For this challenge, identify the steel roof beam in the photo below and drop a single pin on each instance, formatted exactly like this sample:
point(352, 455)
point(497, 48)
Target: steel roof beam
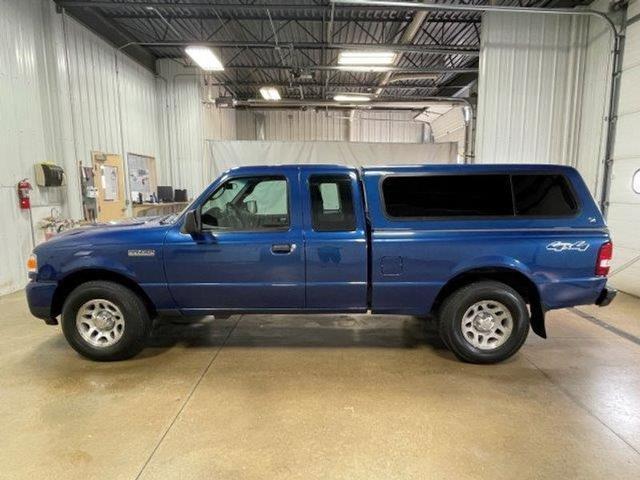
point(424, 49)
point(371, 86)
point(315, 17)
point(426, 69)
point(226, 7)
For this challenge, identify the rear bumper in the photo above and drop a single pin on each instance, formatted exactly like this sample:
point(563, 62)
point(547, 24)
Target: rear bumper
point(40, 300)
point(606, 296)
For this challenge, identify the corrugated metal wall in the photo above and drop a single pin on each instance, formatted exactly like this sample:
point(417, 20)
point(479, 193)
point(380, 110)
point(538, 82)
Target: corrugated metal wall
point(220, 123)
point(290, 125)
point(595, 101)
point(386, 127)
point(223, 155)
point(543, 91)
point(24, 111)
point(182, 126)
point(56, 110)
point(543, 98)
point(530, 88)
point(624, 209)
point(310, 125)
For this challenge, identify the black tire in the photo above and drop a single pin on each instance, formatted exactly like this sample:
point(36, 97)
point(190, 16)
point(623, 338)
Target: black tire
point(461, 302)
point(136, 323)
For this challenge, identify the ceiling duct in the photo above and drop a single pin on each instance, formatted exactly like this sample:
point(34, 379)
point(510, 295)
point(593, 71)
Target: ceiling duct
point(394, 104)
point(407, 37)
point(417, 76)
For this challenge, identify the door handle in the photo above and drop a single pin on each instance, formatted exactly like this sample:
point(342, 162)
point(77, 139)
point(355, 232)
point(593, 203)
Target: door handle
point(283, 248)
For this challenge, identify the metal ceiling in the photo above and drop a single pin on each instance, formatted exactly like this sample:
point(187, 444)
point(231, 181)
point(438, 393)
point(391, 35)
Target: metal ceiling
point(294, 44)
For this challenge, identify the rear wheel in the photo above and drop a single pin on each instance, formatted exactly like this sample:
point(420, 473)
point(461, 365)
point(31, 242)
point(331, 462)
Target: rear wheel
point(105, 321)
point(485, 322)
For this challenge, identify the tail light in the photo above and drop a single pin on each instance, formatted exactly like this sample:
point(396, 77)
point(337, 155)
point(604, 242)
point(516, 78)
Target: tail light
point(604, 259)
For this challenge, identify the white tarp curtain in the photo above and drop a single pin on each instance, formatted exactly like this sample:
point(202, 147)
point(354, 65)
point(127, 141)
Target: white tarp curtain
point(227, 154)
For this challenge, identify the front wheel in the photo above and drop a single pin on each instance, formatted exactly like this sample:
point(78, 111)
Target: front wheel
point(485, 322)
point(105, 321)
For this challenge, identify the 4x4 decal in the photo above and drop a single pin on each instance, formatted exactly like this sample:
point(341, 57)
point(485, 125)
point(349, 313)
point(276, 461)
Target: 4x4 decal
point(559, 246)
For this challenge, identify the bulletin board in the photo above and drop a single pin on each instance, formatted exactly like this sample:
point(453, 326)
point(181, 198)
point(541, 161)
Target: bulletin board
point(142, 176)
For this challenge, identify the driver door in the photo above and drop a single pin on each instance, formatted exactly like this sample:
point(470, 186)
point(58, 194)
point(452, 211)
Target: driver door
point(249, 255)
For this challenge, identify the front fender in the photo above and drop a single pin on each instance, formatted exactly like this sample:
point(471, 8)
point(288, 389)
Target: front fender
point(144, 272)
point(80, 262)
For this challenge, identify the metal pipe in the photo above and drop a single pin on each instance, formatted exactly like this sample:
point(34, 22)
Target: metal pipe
point(311, 16)
point(342, 85)
point(422, 70)
point(417, 76)
point(614, 99)
point(277, 47)
point(154, 9)
point(167, 133)
point(330, 42)
point(204, 6)
point(474, 8)
point(74, 133)
point(125, 161)
point(419, 49)
point(617, 40)
point(407, 37)
point(392, 104)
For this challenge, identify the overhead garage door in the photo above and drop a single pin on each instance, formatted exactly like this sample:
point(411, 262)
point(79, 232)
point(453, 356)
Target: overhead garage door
point(624, 210)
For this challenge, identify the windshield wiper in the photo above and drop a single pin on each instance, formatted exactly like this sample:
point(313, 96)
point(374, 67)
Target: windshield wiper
point(168, 218)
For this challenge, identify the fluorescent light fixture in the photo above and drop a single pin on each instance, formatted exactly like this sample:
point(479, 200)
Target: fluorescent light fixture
point(366, 57)
point(351, 98)
point(364, 68)
point(270, 93)
point(204, 57)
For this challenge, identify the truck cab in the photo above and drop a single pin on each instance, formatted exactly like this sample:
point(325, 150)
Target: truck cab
point(486, 249)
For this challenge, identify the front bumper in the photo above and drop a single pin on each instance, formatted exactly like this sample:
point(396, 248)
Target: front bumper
point(40, 300)
point(606, 296)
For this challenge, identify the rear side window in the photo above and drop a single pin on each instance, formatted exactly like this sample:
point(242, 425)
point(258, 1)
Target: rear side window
point(492, 195)
point(331, 203)
point(543, 196)
point(448, 196)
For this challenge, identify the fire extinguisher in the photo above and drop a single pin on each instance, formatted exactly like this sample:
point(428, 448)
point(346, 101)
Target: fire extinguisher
point(24, 187)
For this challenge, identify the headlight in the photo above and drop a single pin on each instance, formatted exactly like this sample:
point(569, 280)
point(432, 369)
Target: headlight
point(32, 263)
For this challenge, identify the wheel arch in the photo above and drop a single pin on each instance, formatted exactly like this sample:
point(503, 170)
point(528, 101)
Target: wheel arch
point(77, 278)
point(509, 276)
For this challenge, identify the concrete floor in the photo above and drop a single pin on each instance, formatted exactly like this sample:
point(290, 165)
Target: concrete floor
point(329, 397)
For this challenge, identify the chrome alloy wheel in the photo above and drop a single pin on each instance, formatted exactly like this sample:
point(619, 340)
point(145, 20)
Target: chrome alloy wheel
point(487, 324)
point(100, 323)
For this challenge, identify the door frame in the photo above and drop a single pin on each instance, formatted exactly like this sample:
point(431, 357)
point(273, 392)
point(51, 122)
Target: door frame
point(98, 160)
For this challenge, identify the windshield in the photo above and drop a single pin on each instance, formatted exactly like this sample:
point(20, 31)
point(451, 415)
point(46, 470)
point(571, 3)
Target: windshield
point(172, 217)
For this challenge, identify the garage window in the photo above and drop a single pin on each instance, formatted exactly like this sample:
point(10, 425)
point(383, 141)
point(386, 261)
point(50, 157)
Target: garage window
point(447, 196)
point(331, 203)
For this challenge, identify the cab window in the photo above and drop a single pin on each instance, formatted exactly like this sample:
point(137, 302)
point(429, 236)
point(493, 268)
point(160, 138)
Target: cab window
point(248, 204)
point(332, 203)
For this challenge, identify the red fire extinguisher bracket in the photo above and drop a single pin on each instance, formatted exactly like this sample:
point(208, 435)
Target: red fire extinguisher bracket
point(24, 193)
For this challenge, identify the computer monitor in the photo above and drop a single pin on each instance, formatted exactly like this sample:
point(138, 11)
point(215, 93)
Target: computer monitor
point(165, 194)
point(180, 195)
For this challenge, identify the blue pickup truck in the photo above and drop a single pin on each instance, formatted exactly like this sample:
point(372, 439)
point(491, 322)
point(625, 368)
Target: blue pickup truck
point(486, 249)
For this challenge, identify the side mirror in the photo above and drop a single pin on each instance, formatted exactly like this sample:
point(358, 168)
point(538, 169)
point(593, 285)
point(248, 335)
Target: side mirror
point(192, 223)
point(252, 206)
